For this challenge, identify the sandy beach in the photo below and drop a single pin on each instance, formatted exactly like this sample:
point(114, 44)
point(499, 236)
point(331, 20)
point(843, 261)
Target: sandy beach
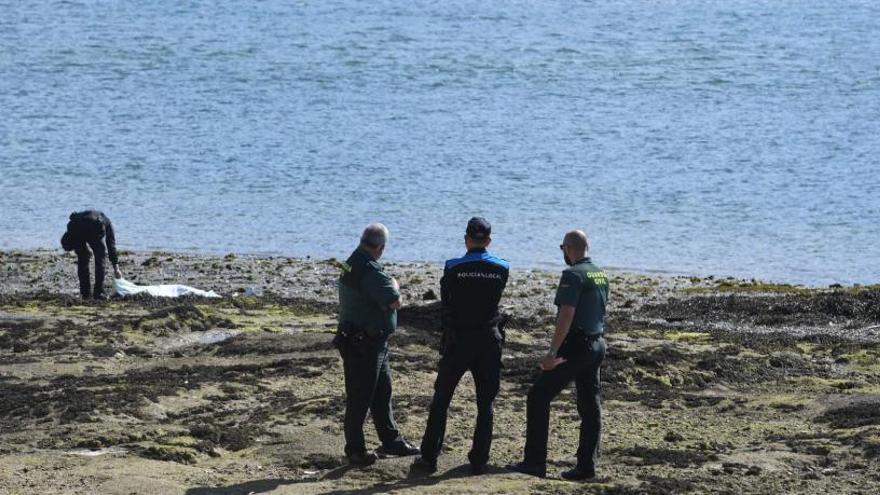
point(711, 385)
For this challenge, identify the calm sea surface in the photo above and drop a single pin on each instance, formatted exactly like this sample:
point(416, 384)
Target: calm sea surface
point(711, 137)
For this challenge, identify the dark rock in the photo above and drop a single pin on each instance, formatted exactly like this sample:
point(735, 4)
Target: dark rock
point(151, 261)
point(161, 453)
point(672, 436)
point(862, 411)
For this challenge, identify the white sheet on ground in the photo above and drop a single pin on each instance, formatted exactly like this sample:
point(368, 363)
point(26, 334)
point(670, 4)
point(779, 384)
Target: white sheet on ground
point(125, 288)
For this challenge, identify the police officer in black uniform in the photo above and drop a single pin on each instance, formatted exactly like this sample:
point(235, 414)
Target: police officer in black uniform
point(368, 303)
point(576, 353)
point(470, 290)
point(90, 229)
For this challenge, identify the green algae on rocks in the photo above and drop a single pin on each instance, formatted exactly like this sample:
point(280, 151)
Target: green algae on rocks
point(705, 391)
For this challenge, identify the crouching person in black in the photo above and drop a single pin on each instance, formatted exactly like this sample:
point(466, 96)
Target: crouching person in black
point(90, 229)
point(470, 289)
point(368, 303)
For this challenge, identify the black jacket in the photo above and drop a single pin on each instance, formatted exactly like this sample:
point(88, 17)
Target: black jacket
point(92, 225)
point(470, 291)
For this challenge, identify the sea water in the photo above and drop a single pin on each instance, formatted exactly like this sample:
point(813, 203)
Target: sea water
point(725, 137)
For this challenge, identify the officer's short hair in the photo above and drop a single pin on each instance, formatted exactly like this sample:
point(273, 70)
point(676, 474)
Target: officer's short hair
point(375, 235)
point(577, 239)
point(479, 243)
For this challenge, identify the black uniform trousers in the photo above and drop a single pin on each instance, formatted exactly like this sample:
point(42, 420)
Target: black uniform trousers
point(367, 387)
point(82, 261)
point(482, 357)
point(583, 369)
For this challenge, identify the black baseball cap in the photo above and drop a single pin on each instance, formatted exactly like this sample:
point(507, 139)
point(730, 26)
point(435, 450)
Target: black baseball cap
point(478, 228)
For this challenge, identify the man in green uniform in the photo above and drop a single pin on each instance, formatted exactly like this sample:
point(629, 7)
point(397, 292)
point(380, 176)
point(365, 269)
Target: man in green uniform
point(368, 303)
point(576, 352)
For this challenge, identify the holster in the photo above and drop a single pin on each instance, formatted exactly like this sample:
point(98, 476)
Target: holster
point(348, 333)
point(341, 336)
point(576, 342)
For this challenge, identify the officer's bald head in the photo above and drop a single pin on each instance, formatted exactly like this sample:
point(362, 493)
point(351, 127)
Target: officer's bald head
point(578, 242)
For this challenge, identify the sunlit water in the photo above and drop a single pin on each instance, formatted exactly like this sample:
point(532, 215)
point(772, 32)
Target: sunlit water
point(708, 137)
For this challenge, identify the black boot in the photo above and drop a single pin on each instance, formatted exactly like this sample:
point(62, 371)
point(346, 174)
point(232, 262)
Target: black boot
point(424, 465)
point(578, 474)
point(362, 458)
point(479, 469)
point(529, 469)
point(398, 448)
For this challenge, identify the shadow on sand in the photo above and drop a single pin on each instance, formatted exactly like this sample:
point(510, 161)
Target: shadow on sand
point(413, 479)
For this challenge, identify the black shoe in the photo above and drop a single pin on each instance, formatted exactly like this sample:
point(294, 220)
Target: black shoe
point(529, 469)
point(399, 448)
point(578, 474)
point(424, 465)
point(362, 458)
point(478, 469)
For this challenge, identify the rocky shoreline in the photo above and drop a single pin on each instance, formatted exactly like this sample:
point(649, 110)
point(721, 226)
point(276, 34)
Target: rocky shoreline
point(711, 385)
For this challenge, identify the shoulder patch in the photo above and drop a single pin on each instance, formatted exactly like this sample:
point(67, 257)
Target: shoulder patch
point(498, 261)
point(476, 257)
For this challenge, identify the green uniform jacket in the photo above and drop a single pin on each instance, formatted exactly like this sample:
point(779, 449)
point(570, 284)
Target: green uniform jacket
point(365, 291)
point(584, 286)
